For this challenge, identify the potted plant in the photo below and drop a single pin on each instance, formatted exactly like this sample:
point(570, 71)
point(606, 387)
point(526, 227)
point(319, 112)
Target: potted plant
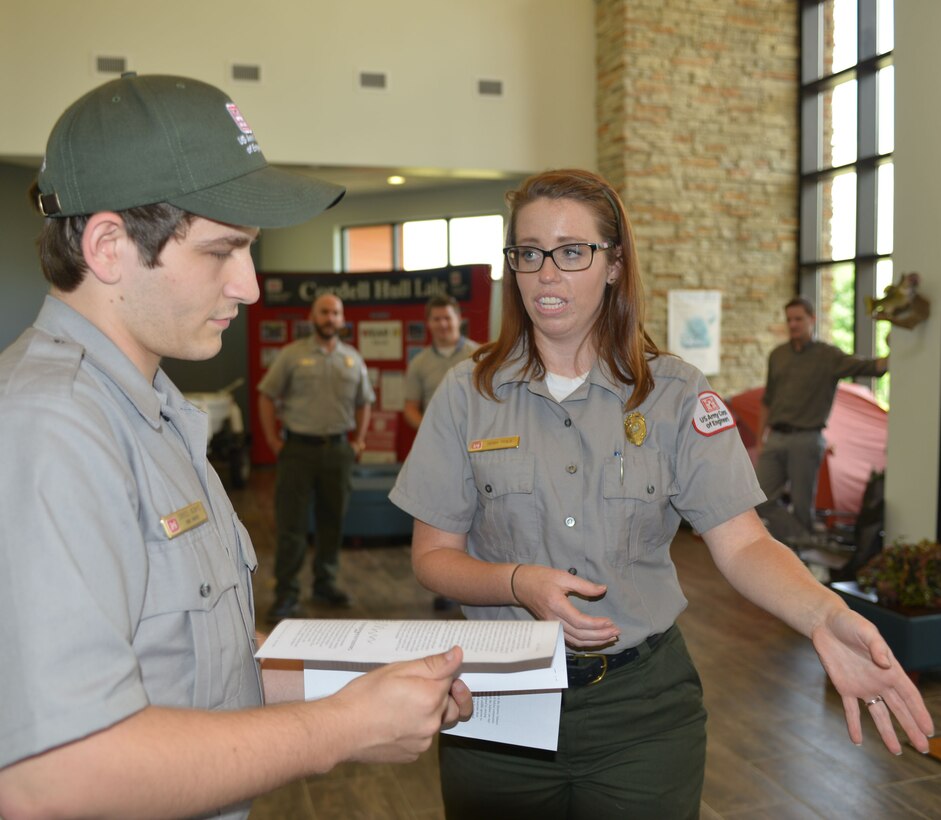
point(899, 590)
point(906, 577)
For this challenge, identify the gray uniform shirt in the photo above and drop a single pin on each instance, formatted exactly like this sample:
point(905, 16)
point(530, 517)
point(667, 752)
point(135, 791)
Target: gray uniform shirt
point(429, 367)
point(561, 498)
point(318, 391)
point(801, 383)
point(101, 611)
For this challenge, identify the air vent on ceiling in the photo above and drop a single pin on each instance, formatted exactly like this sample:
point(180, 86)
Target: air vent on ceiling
point(490, 88)
point(373, 80)
point(246, 73)
point(110, 65)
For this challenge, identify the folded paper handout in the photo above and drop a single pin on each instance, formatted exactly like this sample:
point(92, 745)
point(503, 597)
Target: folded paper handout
point(514, 669)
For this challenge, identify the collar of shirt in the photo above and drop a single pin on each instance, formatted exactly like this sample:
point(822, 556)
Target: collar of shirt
point(61, 321)
point(512, 372)
point(447, 351)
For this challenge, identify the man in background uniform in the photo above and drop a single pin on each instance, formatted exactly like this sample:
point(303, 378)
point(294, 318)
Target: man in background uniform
point(428, 368)
point(447, 348)
point(802, 377)
point(320, 389)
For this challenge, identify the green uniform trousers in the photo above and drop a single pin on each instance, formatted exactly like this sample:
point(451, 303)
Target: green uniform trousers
point(631, 746)
point(326, 471)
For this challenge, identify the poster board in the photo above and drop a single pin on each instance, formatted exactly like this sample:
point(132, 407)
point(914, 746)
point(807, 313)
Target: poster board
point(694, 327)
point(385, 321)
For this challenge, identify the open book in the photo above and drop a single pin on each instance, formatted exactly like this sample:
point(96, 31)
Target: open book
point(515, 669)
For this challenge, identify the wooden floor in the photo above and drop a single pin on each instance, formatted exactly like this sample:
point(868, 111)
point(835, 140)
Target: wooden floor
point(778, 748)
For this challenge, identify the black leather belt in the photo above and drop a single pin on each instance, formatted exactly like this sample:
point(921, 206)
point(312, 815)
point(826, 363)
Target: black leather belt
point(318, 441)
point(790, 428)
point(589, 668)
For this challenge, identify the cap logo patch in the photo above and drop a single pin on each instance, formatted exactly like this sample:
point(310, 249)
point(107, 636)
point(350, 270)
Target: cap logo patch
point(710, 415)
point(236, 115)
point(247, 138)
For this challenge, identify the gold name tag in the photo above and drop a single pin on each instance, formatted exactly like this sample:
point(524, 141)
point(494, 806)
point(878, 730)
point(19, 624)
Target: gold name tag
point(190, 517)
point(505, 443)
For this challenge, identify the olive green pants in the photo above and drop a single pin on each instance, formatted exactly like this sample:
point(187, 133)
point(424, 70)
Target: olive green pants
point(631, 746)
point(324, 470)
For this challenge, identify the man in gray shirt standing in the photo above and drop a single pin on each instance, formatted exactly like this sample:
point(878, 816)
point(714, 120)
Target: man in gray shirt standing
point(320, 389)
point(447, 348)
point(802, 377)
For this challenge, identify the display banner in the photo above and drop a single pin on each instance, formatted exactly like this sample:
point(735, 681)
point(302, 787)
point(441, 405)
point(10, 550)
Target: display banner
point(385, 321)
point(373, 289)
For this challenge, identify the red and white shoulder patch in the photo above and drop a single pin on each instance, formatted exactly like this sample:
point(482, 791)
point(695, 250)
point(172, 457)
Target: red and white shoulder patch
point(711, 416)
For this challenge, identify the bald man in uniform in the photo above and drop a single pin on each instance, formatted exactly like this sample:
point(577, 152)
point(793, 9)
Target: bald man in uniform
point(319, 388)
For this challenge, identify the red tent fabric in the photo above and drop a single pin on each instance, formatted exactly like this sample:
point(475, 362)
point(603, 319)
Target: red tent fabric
point(857, 434)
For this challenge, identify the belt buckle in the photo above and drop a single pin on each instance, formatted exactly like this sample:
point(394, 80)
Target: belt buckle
point(604, 664)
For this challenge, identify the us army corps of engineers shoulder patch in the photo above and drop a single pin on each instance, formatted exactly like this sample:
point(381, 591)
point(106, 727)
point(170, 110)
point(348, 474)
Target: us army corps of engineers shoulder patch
point(710, 415)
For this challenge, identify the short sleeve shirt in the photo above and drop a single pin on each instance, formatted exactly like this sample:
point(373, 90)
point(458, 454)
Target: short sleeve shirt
point(126, 572)
point(318, 390)
point(802, 383)
point(428, 368)
point(533, 480)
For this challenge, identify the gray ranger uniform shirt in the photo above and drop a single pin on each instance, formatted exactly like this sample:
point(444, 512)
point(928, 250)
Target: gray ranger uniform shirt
point(126, 573)
point(429, 367)
point(319, 391)
point(560, 496)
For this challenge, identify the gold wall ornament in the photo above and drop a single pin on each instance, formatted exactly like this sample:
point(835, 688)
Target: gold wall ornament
point(635, 427)
point(902, 305)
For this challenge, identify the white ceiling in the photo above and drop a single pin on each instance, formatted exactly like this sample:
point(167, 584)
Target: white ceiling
point(373, 180)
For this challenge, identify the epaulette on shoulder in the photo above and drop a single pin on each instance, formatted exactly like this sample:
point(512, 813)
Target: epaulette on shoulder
point(672, 367)
point(48, 366)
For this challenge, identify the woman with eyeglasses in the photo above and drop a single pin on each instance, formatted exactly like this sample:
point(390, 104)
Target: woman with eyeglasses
point(548, 480)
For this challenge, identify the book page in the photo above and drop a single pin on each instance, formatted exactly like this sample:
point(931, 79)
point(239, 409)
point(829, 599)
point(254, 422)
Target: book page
point(520, 718)
point(516, 669)
point(373, 641)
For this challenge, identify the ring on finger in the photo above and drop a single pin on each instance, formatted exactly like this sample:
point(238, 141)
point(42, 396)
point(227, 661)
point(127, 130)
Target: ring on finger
point(875, 700)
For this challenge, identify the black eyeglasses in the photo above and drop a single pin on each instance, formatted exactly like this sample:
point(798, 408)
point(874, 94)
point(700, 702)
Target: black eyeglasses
point(574, 257)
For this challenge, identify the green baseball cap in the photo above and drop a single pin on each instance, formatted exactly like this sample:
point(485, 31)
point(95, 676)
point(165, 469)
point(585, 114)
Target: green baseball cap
point(141, 140)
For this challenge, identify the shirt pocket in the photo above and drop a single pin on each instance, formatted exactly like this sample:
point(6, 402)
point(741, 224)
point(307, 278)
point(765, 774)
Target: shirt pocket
point(192, 630)
point(506, 506)
point(638, 510)
point(247, 566)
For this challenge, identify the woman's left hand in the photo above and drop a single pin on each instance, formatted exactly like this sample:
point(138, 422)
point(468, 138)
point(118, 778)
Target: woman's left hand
point(863, 668)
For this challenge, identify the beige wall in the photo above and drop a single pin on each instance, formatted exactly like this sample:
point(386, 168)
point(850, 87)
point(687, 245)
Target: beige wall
point(307, 109)
point(915, 420)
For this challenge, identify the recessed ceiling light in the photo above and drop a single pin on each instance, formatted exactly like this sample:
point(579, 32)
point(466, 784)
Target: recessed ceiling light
point(396, 180)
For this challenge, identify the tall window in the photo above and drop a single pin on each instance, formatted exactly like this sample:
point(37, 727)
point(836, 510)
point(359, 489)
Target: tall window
point(846, 189)
point(425, 243)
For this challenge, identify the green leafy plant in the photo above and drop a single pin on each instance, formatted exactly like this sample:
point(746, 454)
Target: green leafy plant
point(905, 575)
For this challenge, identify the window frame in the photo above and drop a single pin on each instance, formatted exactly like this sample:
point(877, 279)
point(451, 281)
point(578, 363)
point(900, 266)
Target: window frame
point(866, 165)
point(396, 227)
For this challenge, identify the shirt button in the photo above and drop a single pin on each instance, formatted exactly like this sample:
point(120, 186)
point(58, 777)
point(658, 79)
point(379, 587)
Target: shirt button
point(205, 590)
point(572, 469)
point(568, 422)
point(488, 488)
point(650, 489)
point(570, 522)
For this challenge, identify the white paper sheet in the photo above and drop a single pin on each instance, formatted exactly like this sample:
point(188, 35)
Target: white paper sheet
point(515, 669)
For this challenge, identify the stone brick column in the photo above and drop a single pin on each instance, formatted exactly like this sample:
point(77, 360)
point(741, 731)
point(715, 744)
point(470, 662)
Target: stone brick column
point(697, 105)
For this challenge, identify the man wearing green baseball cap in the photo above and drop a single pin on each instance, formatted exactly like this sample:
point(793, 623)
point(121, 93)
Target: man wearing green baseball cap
point(130, 685)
